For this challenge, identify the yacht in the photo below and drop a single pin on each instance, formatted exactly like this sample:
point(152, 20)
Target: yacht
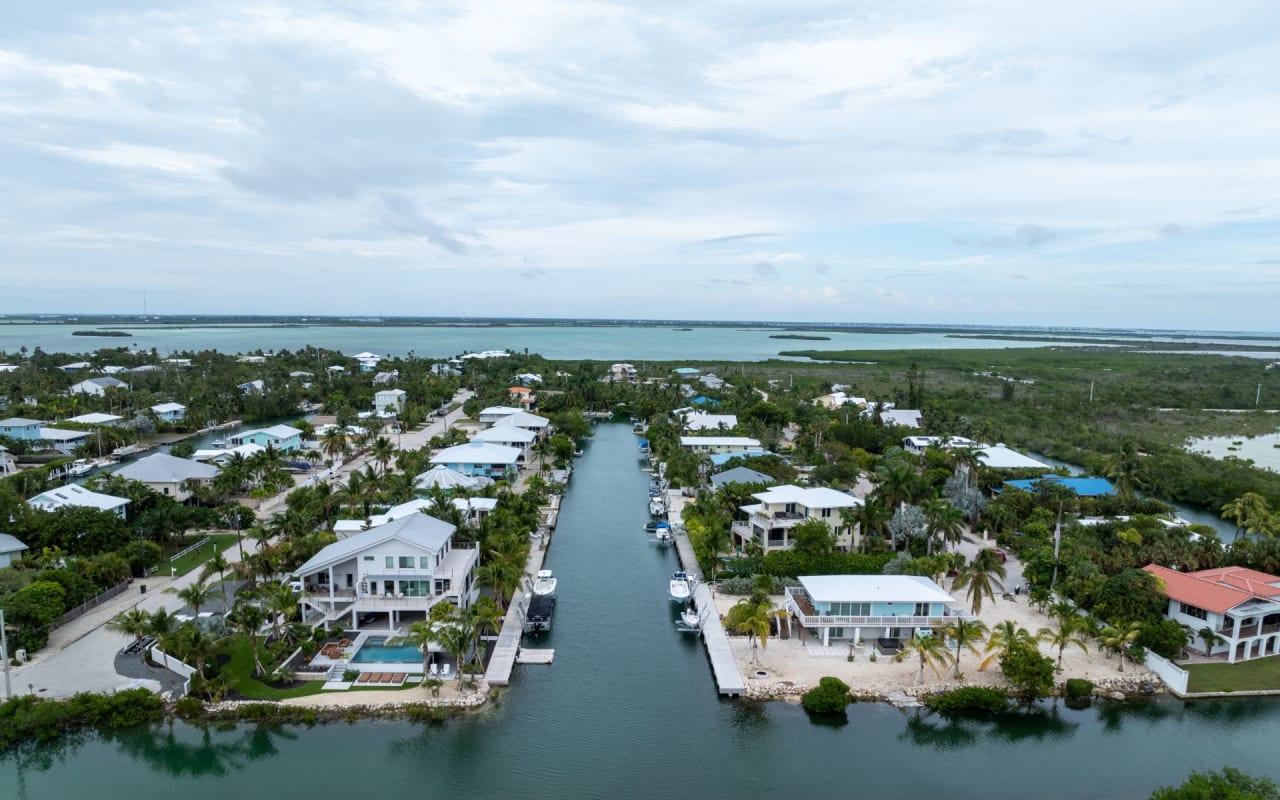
point(545, 584)
point(657, 506)
point(662, 533)
point(537, 617)
point(81, 466)
point(679, 588)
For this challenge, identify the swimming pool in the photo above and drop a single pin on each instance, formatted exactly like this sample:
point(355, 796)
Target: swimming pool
point(376, 651)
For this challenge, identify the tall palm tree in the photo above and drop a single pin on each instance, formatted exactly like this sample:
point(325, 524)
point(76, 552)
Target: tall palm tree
point(931, 651)
point(967, 634)
point(1069, 630)
point(1118, 637)
point(424, 634)
point(1125, 468)
point(456, 637)
point(896, 482)
point(751, 616)
point(193, 645)
point(135, 623)
point(248, 619)
point(217, 565)
point(979, 577)
point(1005, 636)
point(971, 459)
point(335, 445)
point(503, 572)
point(486, 617)
point(383, 452)
point(161, 625)
point(945, 522)
point(1250, 513)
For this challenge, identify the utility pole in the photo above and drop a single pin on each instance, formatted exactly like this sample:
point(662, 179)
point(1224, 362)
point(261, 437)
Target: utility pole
point(1257, 398)
point(4, 652)
point(1091, 392)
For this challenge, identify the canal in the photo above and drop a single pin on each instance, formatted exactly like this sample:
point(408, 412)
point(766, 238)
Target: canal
point(629, 710)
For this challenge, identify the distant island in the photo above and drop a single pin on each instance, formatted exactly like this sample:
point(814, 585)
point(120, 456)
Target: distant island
point(101, 333)
point(682, 329)
point(801, 337)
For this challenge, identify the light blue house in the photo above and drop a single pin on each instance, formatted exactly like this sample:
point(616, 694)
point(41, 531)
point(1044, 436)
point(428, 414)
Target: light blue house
point(281, 437)
point(854, 607)
point(170, 412)
point(19, 428)
point(480, 459)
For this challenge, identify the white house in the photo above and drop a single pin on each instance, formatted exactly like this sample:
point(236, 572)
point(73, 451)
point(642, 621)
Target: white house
point(253, 387)
point(838, 400)
point(479, 458)
point(64, 441)
point(75, 366)
point(344, 528)
point(719, 444)
point(851, 607)
point(96, 418)
point(223, 455)
point(7, 464)
point(902, 418)
point(388, 576)
point(1241, 606)
point(918, 444)
point(781, 508)
point(449, 480)
point(281, 437)
point(492, 414)
point(11, 549)
point(530, 422)
point(74, 495)
point(168, 475)
point(702, 421)
point(170, 412)
point(475, 508)
point(389, 402)
point(510, 436)
point(97, 386)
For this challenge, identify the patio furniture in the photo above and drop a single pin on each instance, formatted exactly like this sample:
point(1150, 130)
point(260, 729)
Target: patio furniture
point(434, 669)
point(445, 670)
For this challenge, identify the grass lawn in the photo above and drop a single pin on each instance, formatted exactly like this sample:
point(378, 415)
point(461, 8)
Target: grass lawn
point(240, 671)
point(1259, 673)
point(194, 559)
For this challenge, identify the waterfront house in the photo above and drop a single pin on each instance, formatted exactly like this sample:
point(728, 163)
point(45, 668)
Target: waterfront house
point(522, 395)
point(448, 480)
point(74, 495)
point(769, 522)
point(541, 426)
point(478, 458)
point(475, 509)
point(854, 607)
point(11, 550)
point(510, 436)
point(389, 402)
point(98, 387)
point(169, 475)
point(253, 387)
point(281, 437)
point(75, 366)
point(702, 421)
point(1000, 457)
point(224, 455)
point(1241, 606)
point(169, 412)
point(622, 373)
point(740, 475)
point(386, 577)
point(719, 444)
point(28, 430)
point(1083, 487)
point(492, 414)
point(64, 441)
point(96, 418)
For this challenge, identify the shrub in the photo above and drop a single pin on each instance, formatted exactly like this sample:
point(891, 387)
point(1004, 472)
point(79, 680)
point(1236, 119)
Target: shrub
point(1165, 638)
point(969, 700)
point(1078, 688)
point(1029, 673)
point(189, 708)
point(830, 696)
point(782, 563)
point(350, 675)
point(28, 718)
point(747, 585)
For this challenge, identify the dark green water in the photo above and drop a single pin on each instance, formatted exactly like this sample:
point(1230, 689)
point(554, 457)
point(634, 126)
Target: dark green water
point(629, 710)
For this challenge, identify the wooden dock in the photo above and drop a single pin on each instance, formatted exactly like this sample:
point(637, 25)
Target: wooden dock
point(507, 649)
point(724, 667)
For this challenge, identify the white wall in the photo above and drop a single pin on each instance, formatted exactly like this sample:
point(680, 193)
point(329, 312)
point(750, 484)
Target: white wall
point(1174, 677)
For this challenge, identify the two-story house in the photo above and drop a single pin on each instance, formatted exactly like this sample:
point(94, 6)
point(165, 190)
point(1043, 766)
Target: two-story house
point(781, 508)
point(480, 459)
point(720, 444)
point(169, 412)
point(509, 436)
point(540, 426)
point(853, 607)
point(281, 437)
point(21, 428)
point(386, 577)
point(1241, 606)
point(389, 402)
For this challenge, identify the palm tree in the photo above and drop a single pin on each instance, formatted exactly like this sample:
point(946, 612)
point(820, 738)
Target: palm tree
point(335, 444)
point(503, 572)
point(945, 521)
point(135, 623)
point(751, 616)
point(161, 624)
point(280, 602)
point(971, 459)
point(196, 595)
point(932, 652)
point(1126, 469)
point(217, 565)
point(979, 576)
point(967, 634)
point(1210, 638)
point(383, 452)
point(896, 482)
point(1070, 630)
point(1005, 636)
point(1118, 637)
point(1250, 513)
point(486, 617)
point(456, 637)
point(248, 619)
point(193, 645)
point(424, 634)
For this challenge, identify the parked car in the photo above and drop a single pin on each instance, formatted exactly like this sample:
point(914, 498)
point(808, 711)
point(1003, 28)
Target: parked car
point(1000, 554)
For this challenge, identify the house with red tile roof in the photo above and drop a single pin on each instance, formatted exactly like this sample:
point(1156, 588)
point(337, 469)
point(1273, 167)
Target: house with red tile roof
point(1242, 606)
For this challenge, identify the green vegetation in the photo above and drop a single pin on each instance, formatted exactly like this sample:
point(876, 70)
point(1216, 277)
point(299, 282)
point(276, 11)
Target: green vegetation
point(101, 333)
point(218, 543)
point(1256, 674)
point(830, 696)
point(968, 701)
point(1030, 674)
point(1229, 784)
point(28, 719)
point(1078, 688)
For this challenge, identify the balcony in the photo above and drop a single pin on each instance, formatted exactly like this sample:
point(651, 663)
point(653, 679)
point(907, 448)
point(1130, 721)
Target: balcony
point(1253, 629)
point(798, 602)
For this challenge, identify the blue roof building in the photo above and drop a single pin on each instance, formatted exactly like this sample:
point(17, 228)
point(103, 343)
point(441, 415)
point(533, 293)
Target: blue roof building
point(702, 400)
point(1083, 487)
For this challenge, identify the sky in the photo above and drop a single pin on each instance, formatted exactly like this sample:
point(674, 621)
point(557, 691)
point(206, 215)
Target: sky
point(1083, 163)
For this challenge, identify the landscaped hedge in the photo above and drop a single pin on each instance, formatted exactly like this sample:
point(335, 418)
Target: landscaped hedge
point(789, 563)
point(28, 718)
point(968, 701)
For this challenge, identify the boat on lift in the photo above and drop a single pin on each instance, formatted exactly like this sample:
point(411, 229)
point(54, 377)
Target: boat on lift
point(662, 533)
point(679, 588)
point(80, 467)
point(690, 621)
point(545, 584)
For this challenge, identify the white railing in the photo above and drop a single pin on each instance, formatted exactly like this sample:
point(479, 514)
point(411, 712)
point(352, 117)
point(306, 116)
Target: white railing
point(880, 622)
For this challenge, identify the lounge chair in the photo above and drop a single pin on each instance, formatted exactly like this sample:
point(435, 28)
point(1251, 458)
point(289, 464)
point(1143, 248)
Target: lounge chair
point(445, 670)
point(364, 678)
point(434, 670)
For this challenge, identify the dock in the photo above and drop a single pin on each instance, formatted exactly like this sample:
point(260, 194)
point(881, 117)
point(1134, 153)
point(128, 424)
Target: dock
point(506, 650)
point(530, 656)
point(724, 667)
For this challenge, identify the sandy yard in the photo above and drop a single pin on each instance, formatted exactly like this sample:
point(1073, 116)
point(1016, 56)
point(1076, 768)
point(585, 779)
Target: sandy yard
point(449, 696)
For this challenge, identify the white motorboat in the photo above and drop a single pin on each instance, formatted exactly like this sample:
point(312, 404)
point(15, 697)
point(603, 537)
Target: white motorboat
point(657, 507)
point(679, 588)
point(81, 466)
point(662, 533)
point(545, 584)
point(689, 621)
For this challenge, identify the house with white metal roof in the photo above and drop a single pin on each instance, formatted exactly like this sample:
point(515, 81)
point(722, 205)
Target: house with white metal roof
point(170, 412)
point(854, 607)
point(389, 402)
point(448, 480)
point(492, 414)
point(169, 475)
point(64, 441)
point(510, 436)
point(530, 422)
point(740, 475)
point(719, 444)
point(11, 549)
point(98, 387)
point(74, 495)
point(281, 437)
point(481, 459)
point(701, 421)
point(769, 522)
point(96, 418)
point(21, 428)
point(387, 577)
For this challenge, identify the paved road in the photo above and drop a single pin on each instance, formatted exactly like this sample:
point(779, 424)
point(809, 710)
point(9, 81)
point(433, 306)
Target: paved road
point(80, 656)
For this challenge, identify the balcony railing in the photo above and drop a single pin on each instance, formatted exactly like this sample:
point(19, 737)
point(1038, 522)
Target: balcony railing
point(1250, 630)
point(798, 601)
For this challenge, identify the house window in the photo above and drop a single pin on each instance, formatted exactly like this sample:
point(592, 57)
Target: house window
point(1193, 611)
point(391, 562)
point(406, 562)
point(790, 508)
point(850, 609)
point(368, 558)
point(922, 610)
point(424, 562)
point(826, 513)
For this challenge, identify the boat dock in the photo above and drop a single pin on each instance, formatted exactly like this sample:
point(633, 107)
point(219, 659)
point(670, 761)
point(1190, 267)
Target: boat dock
point(506, 650)
point(530, 656)
point(724, 667)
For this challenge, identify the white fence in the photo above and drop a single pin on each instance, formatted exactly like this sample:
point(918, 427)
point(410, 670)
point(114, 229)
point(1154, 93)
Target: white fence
point(174, 665)
point(1174, 677)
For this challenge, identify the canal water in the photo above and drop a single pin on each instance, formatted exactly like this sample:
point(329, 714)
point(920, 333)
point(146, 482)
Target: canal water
point(629, 710)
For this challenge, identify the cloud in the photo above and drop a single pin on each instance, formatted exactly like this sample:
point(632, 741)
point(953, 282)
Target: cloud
point(1024, 235)
point(533, 273)
point(765, 270)
point(1172, 230)
point(737, 237)
point(400, 214)
point(1003, 141)
point(821, 267)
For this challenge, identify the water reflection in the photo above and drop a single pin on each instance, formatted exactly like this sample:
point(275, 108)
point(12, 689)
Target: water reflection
point(1035, 724)
point(216, 751)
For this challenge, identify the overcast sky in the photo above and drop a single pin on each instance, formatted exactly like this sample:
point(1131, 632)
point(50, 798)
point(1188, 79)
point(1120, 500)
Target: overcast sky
point(1099, 163)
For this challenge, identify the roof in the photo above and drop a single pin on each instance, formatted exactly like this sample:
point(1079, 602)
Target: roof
point(506, 433)
point(58, 435)
point(724, 441)
point(720, 459)
point(477, 452)
point(276, 431)
point(523, 419)
point(417, 530)
point(446, 478)
point(164, 468)
point(94, 418)
point(397, 392)
point(873, 589)
point(465, 504)
point(1083, 487)
point(106, 382)
point(906, 418)
point(700, 421)
point(817, 497)
point(19, 422)
point(1203, 589)
point(164, 408)
point(1001, 457)
point(499, 411)
point(11, 544)
point(73, 495)
point(740, 475)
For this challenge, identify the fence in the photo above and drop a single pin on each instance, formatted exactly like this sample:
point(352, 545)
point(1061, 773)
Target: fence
point(190, 549)
point(1174, 677)
point(94, 602)
point(174, 665)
